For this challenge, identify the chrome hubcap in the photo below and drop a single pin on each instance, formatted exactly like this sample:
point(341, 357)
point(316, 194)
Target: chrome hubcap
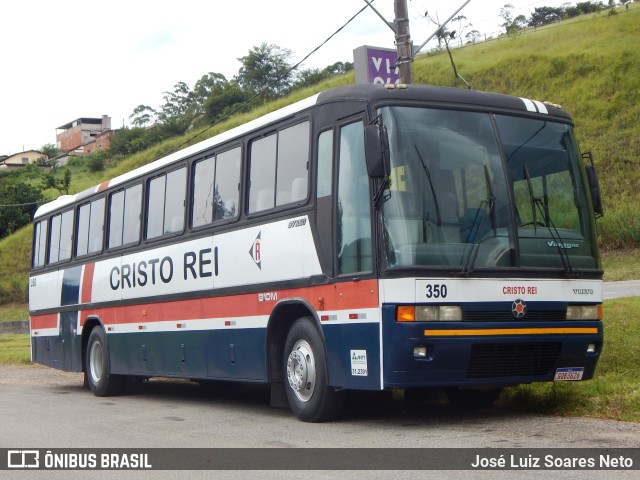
point(95, 362)
point(301, 370)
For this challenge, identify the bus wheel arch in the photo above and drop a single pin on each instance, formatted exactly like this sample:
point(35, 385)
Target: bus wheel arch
point(96, 365)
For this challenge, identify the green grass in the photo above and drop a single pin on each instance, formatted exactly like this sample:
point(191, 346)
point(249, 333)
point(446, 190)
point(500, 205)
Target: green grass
point(14, 311)
point(15, 349)
point(621, 265)
point(15, 254)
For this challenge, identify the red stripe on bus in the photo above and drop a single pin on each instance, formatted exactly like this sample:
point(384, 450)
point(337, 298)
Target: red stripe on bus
point(352, 296)
point(87, 283)
point(102, 186)
point(39, 322)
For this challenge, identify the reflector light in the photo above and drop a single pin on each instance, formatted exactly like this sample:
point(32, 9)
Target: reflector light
point(406, 313)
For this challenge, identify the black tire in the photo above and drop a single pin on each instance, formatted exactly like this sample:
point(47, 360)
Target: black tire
point(473, 397)
point(97, 367)
point(305, 371)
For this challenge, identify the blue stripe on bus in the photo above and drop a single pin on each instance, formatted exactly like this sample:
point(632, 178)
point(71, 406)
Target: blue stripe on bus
point(71, 286)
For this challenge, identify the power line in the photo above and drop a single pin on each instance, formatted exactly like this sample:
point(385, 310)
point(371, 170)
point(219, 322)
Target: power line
point(20, 204)
point(270, 85)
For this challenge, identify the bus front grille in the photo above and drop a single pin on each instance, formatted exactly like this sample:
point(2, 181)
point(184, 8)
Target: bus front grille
point(512, 359)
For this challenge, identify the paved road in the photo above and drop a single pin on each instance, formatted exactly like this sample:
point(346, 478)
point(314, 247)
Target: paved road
point(629, 288)
point(43, 408)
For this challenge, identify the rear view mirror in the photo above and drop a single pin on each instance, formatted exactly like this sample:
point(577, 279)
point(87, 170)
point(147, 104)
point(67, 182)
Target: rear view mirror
point(594, 185)
point(376, 150)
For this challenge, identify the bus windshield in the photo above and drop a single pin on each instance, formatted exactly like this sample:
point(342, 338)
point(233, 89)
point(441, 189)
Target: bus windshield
point(470, 190)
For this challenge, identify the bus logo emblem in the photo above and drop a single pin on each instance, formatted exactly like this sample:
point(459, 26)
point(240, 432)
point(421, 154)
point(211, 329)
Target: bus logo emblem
point(255, 253)
point(518, 309)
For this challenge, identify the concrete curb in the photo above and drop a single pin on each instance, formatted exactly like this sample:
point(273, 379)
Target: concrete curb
point(18, 326)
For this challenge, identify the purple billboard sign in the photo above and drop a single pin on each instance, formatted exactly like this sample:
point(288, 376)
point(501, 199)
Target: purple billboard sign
point(375, 65)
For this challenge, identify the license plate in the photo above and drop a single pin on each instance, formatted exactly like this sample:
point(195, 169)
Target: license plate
point(568, 374)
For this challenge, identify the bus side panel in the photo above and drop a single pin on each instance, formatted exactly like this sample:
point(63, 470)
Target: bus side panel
point(353, 355)
point(236, 354)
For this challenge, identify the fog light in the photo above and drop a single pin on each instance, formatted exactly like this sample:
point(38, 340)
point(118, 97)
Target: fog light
point(584, 312)
point(450, 313)
point(420, 352)
point(591, 348)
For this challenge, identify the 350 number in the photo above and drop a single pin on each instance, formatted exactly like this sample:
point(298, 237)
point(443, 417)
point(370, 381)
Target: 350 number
point(436, 291)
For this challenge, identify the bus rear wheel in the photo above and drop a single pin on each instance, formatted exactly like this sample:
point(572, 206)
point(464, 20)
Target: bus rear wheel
point(305, 370)
point(99, 378)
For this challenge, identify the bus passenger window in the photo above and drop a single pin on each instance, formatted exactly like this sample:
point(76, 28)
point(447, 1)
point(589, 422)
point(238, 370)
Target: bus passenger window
point(216, 188)
point(279, 168)
point(61, 236)
point(124, 216)
point(166, 203)
point(39, 244)
point(90, 226)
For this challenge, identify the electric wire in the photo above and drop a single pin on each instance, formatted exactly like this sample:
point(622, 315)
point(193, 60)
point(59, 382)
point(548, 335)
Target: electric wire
point(270, 85)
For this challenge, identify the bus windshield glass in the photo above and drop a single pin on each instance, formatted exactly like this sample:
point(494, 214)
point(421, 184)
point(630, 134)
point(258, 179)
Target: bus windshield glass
point(470, 190)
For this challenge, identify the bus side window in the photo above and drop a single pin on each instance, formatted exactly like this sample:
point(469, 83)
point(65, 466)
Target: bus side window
point(39, 244)
point(124, 216)
point(90, 227)
point(279, 168)
point(61, 237)
point(227, 184)
point(166, 203)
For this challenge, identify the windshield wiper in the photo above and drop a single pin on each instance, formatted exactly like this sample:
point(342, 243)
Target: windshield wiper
point(379, 195)
point(476, 225)
point(478, 221)
point(537, 203)
point(433, 192)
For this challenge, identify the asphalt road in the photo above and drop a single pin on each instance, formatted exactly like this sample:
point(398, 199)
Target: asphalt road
point(44, 408)
point(629, 288)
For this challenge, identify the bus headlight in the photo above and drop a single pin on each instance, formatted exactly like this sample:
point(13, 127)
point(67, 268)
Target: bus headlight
point(584, 312)
point(429, 313)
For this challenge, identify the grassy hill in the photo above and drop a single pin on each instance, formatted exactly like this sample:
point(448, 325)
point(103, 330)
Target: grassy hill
point(590, 65)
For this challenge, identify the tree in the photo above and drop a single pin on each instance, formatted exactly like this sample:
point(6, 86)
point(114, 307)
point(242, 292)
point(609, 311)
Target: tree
point(179, 106)
point(142, 116)
point(266, 69)
point(512, 25)
point(544, 16)
point(225, 98)
point(18, 203)
point(52, 180)
point(312, 76)
point(50, 150)
point(473, 36)
point(206, 87)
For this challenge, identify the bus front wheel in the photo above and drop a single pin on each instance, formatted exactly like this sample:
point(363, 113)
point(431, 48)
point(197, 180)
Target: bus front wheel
point(99, 378)
point(305, 369)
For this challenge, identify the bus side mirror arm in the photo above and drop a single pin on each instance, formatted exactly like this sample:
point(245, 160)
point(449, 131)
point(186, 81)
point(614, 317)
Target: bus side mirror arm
point(376, 147)
point(594, 184)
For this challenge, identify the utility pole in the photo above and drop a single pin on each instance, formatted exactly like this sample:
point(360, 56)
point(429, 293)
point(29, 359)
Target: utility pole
point(403, 42)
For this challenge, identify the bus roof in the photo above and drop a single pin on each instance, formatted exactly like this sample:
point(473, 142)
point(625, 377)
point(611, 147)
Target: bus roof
point(366, 92)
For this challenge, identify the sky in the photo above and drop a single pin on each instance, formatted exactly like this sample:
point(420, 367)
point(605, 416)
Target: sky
point(67, 59)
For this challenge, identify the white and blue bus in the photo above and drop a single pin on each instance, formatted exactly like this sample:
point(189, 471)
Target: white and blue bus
point(365, 238)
